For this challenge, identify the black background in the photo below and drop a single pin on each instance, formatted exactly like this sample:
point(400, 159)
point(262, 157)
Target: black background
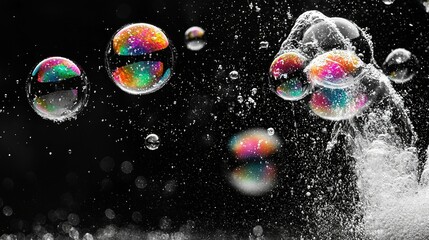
point(195, 115)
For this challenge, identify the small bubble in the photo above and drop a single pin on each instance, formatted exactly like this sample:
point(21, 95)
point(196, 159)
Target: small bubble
point(263, 45)
point(152, 142)
point(110, 214)
point(7, 211)
point(258, 231)
point(270, 131)
point(127, 167)
point(88, 236)
point(233, 75)
point(388, 2)
point(140, 182)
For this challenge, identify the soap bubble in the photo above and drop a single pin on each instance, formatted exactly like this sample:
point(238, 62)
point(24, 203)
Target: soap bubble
point(400, 65)
point(233, 75)
point(263, 45)
point(253, 143)
point(254, 178)
point(270, 131)
point(338, 104)
point(287, 76)
point(152, 142)
point(195, 38)
point(140, 58)
point(250, 169)
point(57, 89)
point(7, 211)
point(335, 69)
point(388, 2)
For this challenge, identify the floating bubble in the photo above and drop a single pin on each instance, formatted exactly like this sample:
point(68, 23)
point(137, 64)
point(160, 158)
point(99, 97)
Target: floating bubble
point(233, 75)
point(338, 104)
point(287, 76)
point(7, 211)
point(127, 167)
point(258, 231)
point(270, 131)
point(335, 69)
point(255, 178)
point(254, 143)
point(140, 58)
point(140, 182)
point(57, 89)
point(400, 65)
point(263, 45)
point(110, 214)
point(195, 38)
point(152, 141)
point(388, 2)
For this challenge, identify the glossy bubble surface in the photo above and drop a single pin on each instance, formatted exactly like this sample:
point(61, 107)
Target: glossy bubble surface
point(335, 69)
point(254, 178)
point(195, 38)
point(401, 65)
point(287, 77)
point(140, 59)
point(57, 89)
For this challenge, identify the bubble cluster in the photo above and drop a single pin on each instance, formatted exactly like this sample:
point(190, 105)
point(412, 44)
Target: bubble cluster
point(400, 65)
point(195, 39)
point(252, 171)
point(140, 59)
point(57, 89)
point(331, 58)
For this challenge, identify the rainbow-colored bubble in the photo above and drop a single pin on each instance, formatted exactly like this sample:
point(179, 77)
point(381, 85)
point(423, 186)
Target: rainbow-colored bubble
point(57, 89)
point(287, 76)
point(338, 104)
point(139, 39)
point(255, 143)
point(251, 168)
point(55, 69)
point(254, 178)
point(140, 58)
point(335, 69)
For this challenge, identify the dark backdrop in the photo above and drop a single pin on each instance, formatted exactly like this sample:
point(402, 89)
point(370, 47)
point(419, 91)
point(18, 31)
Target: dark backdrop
point(48, 170)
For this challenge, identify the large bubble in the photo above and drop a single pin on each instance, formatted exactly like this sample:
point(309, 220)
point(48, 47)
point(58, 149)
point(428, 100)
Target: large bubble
point(251, 168)
point(400, 65)
point(140, 58)
point(57, 89)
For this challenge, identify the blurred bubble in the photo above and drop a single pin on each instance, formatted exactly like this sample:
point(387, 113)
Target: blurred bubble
point(87, 236)
point(270, 131)
point(388, 2)
point(152, 141)
point(110, 214)
point(401, 65)
point(140, 58)
point(47, 236)
point(165, 223)
point(7, 211)
point(258, 231)
point(73, 219)
point(170, 187)
point(195, 39)
point(137, 217)
point(140, 182)
point(107, 164)
point(233, 75)
point(255, 178)
point(426, 5)
point(253, 143)
point(127, 167)
point(57, 89)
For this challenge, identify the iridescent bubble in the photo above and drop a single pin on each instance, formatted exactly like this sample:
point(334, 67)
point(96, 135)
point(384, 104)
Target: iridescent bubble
point(254, 178)
point(152, 141)
point(254, 143)
point(250, 169)
point(195, 38)
point(401, 65)
point(287, 76)
point(140, 58)
point(338, 104)
point(233, 75)
point(57, 89)
point(335, 69)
